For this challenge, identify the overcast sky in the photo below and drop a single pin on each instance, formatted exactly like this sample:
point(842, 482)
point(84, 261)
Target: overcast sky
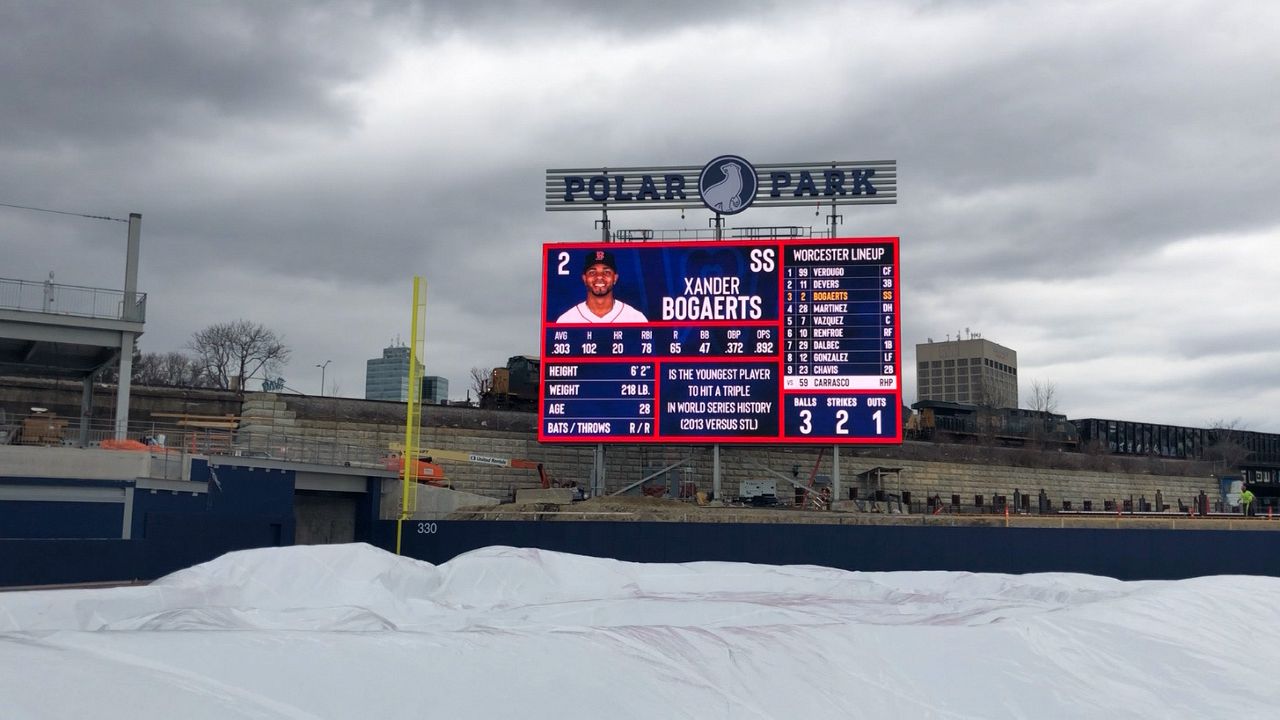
point(1092, 184)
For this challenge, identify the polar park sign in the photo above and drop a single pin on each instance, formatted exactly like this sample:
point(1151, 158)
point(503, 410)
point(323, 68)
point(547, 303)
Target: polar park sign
point(726, 185)
point(792, 340)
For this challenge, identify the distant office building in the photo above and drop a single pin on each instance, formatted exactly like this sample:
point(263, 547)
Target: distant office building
point(435, 390)
point(973, 371)
point(387, 377)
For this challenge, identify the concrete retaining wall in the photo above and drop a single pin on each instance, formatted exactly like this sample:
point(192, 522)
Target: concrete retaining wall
point(509, 434)
point(62, 397)
point(82, 463)
point(376, 424)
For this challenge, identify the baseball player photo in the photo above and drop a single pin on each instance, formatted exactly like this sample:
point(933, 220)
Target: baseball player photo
point(599, 275)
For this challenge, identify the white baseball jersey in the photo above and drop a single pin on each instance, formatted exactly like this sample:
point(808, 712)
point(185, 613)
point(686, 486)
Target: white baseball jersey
point(621, 313)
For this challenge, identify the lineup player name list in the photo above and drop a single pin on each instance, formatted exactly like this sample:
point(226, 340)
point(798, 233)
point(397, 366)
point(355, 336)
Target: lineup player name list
point(839, 318)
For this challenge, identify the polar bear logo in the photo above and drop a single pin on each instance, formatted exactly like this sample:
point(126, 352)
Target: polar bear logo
point(723, 196)
point(734, 191)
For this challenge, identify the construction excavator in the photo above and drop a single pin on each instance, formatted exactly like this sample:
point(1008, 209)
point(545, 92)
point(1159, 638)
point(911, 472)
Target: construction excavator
point(426, 470)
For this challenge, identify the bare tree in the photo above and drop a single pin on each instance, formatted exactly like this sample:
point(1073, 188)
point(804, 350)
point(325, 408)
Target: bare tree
point(986, 417)
point(1044, 397)
point(1226, 446)
point(1043, 403)
point(481, 380)
point(172, 369)
point(237, 349)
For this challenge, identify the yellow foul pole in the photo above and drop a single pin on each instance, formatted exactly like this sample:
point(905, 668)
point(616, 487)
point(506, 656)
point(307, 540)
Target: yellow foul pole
point(413, 409)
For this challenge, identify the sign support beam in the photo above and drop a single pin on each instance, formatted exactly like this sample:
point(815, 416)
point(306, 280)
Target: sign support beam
point(715, 471)
point(835, 473)
point(603, 224)
point(597, 471)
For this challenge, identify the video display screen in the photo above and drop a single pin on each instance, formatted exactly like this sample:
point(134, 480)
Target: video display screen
point(787, 341)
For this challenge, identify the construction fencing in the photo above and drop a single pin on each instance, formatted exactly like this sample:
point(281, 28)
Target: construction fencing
point(172, 442)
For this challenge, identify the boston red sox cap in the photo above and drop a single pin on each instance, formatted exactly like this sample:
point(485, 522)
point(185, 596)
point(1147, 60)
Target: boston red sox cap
point(598, 257)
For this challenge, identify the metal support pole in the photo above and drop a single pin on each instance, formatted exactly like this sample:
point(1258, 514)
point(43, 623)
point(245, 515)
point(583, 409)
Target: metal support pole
point(86, 409)
point(835, 473)
point(715, 471)
point(130, 310)
point(126, 525)
point(122, 385)
point(717, 222)
point(603, 222)
point(833, 217)
point(128, 313)
point(597, 471)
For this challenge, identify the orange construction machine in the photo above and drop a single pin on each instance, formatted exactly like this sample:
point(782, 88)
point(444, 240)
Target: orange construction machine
point(426, 470)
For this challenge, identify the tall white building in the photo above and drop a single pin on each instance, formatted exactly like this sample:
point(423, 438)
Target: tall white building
point(973, 371)
point(387, 377)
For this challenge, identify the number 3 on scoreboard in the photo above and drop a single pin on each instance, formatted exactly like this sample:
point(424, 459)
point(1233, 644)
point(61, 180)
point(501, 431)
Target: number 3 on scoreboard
point(806, 422)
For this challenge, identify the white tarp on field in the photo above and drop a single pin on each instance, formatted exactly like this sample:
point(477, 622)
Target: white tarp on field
point(353, 632)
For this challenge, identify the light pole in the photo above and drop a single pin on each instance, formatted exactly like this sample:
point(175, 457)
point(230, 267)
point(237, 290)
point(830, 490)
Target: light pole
point(322, 367)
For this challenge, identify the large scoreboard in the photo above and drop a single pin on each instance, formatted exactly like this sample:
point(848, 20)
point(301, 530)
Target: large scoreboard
point(783, 341)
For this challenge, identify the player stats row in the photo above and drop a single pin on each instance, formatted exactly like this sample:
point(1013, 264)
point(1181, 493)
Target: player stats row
point(593, 341)
point(770, 330)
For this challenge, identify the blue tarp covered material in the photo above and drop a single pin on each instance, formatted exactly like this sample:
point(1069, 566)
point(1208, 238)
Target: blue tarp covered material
point(56, 542)
point(1126, 554)
point(254, 507)
point(176, 540)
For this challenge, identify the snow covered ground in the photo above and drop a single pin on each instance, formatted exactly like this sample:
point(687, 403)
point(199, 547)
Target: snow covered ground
point(354, 632)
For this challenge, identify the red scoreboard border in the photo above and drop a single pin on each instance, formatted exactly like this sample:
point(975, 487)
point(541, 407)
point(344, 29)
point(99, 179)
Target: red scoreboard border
point(895, 439)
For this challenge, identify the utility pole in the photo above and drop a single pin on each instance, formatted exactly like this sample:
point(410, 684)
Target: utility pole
point(322, 367)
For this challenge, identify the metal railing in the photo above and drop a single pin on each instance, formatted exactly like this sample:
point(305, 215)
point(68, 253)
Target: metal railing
point(292, 447)
point(75, 300)
point(736, 233)
point(53, 430)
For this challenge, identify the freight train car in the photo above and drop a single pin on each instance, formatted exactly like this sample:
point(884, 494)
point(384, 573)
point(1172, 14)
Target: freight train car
point(939, 421)
point(1123, 437)
point(1255, 456)
point(514, 387)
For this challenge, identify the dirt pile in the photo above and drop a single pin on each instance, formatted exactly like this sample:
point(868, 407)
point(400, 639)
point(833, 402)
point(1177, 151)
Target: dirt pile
point(630, 508)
